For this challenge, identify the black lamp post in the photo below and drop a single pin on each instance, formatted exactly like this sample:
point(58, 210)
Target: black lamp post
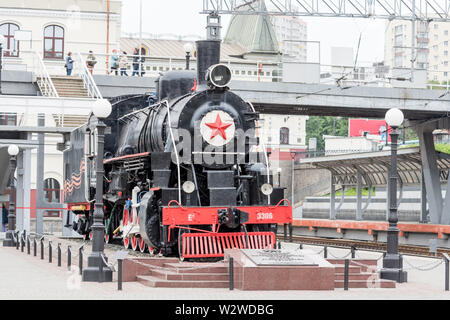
point(393, 262)
point(279, 176)
point(96, 269)
point(2, 39)
point(9, 241)
point(188, 47)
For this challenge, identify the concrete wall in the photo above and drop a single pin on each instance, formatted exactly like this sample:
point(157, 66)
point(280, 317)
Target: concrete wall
point(19, 83)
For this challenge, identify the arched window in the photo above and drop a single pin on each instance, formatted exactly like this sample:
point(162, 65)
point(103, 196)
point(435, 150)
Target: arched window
point(11, 45)
point(52, 190)
point(53, 42)
point(284, 135)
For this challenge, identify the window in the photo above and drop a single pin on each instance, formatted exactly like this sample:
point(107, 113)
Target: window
point(435, 26)
point(446, 43)
point(53, 42)
point(52, 194)
point(12, 45)
point(445, 53)
point(446, 32)
point(284, 135)
point(445, 74)
point(8, 119)
point(435, 37)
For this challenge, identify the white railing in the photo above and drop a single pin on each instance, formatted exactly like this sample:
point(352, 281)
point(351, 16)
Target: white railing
point(88, 80)
point(43, 79)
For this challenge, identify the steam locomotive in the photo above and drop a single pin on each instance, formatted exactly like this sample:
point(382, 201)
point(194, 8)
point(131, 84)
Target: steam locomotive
point(184, 171)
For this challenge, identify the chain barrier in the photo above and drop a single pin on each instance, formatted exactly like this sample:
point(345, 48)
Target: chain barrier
point(425, 267)
point(210, 265)
point(110, 265)
point(331, 254)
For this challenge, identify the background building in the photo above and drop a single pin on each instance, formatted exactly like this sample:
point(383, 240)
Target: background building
point(291, 33)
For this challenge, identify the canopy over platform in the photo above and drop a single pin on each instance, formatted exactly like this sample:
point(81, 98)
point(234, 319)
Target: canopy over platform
point(374, 166)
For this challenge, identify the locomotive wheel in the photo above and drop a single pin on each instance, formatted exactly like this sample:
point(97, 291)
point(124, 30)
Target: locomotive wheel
point(91, 236)
point(142, 245)
point(134, 243)
point(126, 243)
point(85, 237)
point(107, 238)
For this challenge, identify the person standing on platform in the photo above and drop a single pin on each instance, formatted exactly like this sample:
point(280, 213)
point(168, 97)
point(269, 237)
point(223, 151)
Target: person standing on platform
point(123, 64)
point(4, 217)
point(135, 62)
point(91, 61)
point(114, 62)
point(69, 64)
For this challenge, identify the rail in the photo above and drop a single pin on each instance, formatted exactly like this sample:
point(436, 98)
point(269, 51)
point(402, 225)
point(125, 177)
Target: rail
point(43, 79)
point(88, 80)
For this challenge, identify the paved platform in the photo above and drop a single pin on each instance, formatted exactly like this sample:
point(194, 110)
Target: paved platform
point(24, 276)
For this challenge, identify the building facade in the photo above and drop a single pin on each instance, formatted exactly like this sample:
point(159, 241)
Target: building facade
point(431, 47)
point(53, 28)
point(292, 35)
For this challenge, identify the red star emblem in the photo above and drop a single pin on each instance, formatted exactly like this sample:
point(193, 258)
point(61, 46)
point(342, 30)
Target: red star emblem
point(218, 127)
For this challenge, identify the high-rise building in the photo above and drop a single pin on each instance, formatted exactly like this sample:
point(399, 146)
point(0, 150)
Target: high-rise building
point(291, 33)
point(431, 50)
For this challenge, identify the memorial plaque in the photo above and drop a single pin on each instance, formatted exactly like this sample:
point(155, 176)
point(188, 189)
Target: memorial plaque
point(273, 257)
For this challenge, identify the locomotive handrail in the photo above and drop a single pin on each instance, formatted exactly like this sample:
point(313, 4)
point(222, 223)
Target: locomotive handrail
point(282, 200)
point(170, 202)
point(175, 148)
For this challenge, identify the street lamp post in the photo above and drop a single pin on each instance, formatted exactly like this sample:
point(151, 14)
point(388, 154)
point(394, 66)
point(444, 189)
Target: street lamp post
point(2, 39)
point(393, 262)
point(188, 47)
point(279, 176)
point(9, 241)
point(93, 272)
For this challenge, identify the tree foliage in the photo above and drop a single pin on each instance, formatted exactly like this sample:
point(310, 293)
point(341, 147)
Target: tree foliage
point(317, 126)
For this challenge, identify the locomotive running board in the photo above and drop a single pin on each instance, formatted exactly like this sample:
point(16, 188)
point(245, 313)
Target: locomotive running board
point(204, 245)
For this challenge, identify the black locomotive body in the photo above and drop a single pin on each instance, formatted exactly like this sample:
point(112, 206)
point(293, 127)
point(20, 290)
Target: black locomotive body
point(183, 172)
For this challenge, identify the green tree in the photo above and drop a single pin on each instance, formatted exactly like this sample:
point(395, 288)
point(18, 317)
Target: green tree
point(317, 126)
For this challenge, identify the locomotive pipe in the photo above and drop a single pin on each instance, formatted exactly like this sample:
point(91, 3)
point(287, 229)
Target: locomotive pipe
point(208, 54)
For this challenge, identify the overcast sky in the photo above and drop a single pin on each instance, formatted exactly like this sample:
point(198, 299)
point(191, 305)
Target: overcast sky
point(181, 17)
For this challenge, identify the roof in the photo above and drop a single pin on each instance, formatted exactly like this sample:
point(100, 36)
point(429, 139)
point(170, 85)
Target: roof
point(175, 48)
point(374, 166)
point(254, 33)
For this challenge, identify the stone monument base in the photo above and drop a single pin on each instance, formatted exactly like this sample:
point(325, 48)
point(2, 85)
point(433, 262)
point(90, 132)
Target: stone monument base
point(259, 269)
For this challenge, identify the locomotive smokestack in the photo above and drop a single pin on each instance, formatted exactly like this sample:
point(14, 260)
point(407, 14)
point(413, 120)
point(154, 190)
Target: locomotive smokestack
point(208, 54)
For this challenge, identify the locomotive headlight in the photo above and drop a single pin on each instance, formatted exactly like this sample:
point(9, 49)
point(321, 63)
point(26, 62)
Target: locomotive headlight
point(267, 189)
point(188, 186)
point(218, 75)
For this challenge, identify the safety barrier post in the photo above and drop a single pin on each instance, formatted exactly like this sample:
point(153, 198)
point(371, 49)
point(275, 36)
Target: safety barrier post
point(231, 267)
point(353, 250)
point(285, 232)
point(100, 266)
point(59, 254)
point(69, 257)
point(42, 248)
point(279, 244)
point(446, 259)
point(80, 259)
point(325, 252)
point(34, 247)
point(28, 245)
point(22, 243)
point(346, 265)
point(17, 240)
point(290, 232)
point(50, 251)
point(119, 275)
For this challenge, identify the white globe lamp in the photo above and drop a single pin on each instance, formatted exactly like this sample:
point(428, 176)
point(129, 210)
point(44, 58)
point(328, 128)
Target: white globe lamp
point(188, 47)
point(394, 117)
point(13, 150)
point(102, 108)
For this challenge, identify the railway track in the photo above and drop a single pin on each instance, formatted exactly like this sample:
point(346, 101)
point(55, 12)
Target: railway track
point(365, 245)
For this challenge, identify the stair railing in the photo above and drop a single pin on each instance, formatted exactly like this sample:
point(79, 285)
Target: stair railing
point(43, 79)
point(88, 80)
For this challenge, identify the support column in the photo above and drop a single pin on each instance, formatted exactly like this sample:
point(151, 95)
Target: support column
point(332, 199)
point(19, 192)
point(431, 175)
point(40, 178)
point(423, 201)
point(445, 219)
point(27, 188)
point(359, 196)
